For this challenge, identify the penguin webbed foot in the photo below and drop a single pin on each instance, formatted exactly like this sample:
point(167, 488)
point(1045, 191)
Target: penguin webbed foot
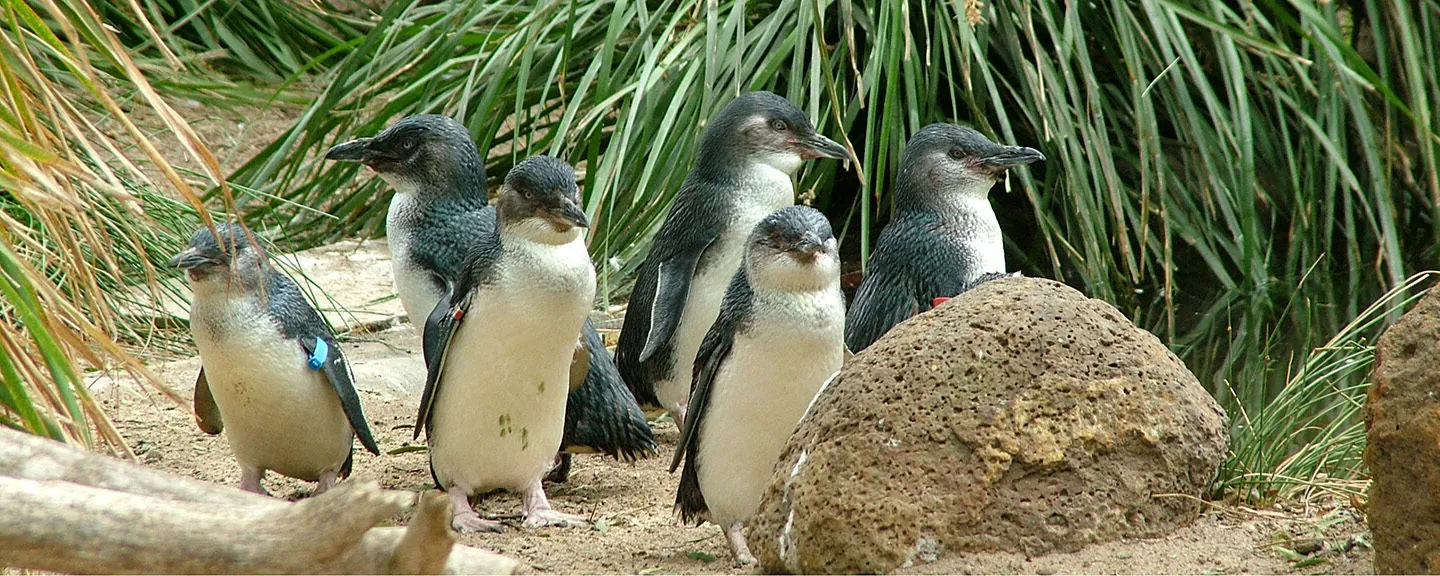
point(327, 480)
point(464, 519)
point(251, 478)
point(678, 415)
point(538, 512)
point(735, 536)
point(553, 517)
point(470, 522)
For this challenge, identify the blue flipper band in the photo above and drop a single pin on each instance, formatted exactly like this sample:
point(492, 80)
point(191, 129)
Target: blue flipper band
point(322, 350)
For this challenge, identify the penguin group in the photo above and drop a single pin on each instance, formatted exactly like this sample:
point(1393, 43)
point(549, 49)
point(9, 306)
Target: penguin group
point(736, 320)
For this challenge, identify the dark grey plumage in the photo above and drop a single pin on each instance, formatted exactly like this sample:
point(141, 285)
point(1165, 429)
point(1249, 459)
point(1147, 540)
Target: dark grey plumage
point(433, 159)
point(944, 236)
point(756, 129)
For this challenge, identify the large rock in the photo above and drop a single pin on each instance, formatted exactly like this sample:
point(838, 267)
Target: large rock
point(1020, 416)
point(1402, 417)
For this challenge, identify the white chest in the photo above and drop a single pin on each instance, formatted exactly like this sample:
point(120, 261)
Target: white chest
point(770, 377)
point(500, 413)
point(417, 293)
point(765, 190)
point(279, 414)
point(977, 230)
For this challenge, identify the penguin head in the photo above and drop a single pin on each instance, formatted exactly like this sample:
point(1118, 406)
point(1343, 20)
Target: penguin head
point(227, 253)
point(427, 155)
point(762, 127)
point(541, 200)
point(946, 158)
point(792, 249)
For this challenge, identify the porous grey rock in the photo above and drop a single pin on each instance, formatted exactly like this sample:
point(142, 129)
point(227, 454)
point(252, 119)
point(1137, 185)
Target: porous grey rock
point(1402, 422)
point(1019, 416)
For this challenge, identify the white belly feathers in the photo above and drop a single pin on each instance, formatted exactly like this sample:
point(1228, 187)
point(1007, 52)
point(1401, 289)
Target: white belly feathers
point(761, 392)
point(500, 413)
point(768, 189)
point(279, 414)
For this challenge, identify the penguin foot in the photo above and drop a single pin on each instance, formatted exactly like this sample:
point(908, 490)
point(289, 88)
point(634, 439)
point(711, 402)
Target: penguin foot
point(470, 522)
point(465, 519)
point(538, 512)
point(552, 517)
point(250, 479)
point(678, 415)
point(735, 536)
point(327, 481)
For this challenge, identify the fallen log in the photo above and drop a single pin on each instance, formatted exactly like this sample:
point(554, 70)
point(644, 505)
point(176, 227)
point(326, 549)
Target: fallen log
point(67, 510)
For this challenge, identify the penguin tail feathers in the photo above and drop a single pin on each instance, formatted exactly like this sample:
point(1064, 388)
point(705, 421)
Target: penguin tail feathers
point(689, 501)
point(602, 415)
point(349, 463)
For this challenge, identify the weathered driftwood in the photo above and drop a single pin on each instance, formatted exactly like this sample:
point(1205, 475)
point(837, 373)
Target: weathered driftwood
point(66, 510)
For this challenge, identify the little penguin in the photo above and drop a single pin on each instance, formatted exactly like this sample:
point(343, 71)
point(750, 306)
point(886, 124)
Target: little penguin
point(498, 348)
point(272, 376)
point(747, 158)
point(779, 336)
point(944, 237)
point(438, 213)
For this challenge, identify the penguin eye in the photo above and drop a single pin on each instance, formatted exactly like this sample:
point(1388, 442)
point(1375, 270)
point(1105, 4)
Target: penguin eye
point(408, 145)
point(779, 125)
point(957, 154)
point(529, 194)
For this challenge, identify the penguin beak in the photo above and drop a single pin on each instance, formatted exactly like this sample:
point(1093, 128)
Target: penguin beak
point(353, 151)
point(817, 146)
point(191, 258)
point(570, 212)
point(1009, 157)
point(808, 246)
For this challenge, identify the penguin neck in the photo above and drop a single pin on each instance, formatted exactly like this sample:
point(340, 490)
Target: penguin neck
point(219, 287)
point(959, 203)
point(464, 181)
point(782, 274)
point(534, 230)
point(417, 205)
point(767, 173)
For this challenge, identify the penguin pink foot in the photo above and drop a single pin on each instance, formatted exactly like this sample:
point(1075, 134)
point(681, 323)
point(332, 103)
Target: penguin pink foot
point(735, 536)
point(327, 480)
point(250, 480)
point(538, 512)
point(465, 519)
point(678, 415)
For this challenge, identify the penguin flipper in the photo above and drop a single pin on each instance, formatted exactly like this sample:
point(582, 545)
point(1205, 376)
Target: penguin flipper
point(672, 290)
point(714, 349)
point(439, 331)
point(601, 414)
point(207, 413)
point(337, 371)
point(299, 321)
point(880, 304)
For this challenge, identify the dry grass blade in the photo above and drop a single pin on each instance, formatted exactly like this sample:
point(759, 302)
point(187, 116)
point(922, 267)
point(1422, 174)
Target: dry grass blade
point(78, 227)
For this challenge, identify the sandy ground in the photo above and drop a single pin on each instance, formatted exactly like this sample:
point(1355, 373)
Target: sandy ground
point(633, 528)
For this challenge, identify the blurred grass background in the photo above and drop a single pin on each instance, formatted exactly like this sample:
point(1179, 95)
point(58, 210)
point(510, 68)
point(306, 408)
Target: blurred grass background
point(1258, 183)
